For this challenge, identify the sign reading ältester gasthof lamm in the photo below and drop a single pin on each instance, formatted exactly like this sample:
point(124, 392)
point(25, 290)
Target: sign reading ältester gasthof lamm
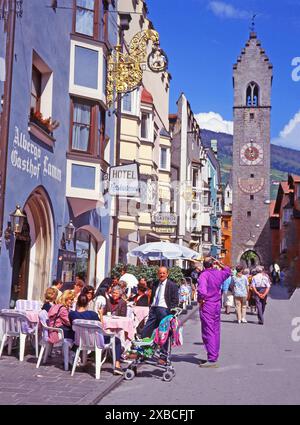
point(124, 180)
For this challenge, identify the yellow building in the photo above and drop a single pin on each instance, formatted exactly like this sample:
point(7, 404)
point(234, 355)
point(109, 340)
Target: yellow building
point(145, 139)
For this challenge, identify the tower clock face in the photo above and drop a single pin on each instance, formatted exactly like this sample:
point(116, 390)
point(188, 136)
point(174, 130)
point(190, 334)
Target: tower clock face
point(251, 185)
point(252, 154)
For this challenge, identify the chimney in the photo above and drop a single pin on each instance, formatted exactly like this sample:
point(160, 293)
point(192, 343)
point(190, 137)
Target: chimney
point(214, 146)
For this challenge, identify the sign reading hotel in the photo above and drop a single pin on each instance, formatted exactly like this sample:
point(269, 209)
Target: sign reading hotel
point(124, 180)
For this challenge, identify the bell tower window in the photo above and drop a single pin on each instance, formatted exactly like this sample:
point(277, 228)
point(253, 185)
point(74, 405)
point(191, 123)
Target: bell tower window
point(252, 95)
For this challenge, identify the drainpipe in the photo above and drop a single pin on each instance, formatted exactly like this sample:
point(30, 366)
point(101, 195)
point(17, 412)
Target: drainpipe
point(125, 19)
point(5, 116)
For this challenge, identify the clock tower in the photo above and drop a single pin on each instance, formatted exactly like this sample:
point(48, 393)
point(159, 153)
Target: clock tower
point(252, 80)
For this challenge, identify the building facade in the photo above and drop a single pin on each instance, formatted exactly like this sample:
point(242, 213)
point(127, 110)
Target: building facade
point(145, 139)
point(59, 142)
point(251, 153)
point(227, 223)
point(187, 161)
point(285, 229)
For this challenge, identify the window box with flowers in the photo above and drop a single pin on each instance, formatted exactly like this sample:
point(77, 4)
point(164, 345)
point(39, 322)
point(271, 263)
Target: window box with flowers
point(41, 127)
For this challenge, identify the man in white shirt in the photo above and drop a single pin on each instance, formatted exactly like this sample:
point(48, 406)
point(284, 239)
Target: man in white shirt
point(261, 286)
point(163, 299)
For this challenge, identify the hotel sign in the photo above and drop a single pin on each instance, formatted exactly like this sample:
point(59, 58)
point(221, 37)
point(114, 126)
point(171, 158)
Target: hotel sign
point(166, 230)
point(124, 180)
point(165, 219)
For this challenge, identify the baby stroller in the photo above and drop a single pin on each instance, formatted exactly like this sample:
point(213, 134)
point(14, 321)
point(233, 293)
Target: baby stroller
point(145, 351)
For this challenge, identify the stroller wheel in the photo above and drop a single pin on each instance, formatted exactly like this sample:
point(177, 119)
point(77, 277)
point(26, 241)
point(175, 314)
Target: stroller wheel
point(129, 375)
point(168, 376)
point(173, 372)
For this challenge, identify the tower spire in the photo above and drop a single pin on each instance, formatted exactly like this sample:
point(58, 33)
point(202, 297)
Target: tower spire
point(252, 27)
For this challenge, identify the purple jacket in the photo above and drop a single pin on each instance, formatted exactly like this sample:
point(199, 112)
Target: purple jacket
point(210, 283)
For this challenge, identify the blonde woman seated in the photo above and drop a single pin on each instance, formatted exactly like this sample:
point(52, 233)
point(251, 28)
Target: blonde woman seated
point(59, 317)
point(49, 298)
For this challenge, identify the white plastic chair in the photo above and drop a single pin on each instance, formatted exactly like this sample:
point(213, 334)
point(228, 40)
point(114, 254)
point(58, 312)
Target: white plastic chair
point(89, 336)
point(28, 305)
point(34, 305)
point(130, 312)
point(46, 345)
point(16, 325)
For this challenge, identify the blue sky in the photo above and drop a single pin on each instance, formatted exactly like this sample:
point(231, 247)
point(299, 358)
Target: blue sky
point(203, 39)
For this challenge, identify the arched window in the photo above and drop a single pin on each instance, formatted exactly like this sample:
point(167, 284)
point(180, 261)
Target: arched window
point(252, 97)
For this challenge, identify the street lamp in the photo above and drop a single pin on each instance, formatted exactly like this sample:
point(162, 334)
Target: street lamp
point(69, 231)
point(17, 220)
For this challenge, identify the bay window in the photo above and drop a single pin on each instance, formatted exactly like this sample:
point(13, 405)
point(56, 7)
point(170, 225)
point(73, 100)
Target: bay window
point(145, 126)
point(87, 127)
point(85, 17)
point(81, 131)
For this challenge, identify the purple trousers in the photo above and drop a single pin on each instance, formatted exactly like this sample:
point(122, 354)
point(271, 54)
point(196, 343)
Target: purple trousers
point(210, 316)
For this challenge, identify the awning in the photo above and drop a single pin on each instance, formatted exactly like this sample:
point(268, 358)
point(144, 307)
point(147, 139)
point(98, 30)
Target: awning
point(80, 206)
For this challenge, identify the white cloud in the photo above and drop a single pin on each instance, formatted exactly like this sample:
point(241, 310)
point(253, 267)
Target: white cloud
point(289, 137)
point(225, 10)
point(214, 122)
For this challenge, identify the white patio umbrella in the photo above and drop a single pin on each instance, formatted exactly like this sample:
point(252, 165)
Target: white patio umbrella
point(163, 251)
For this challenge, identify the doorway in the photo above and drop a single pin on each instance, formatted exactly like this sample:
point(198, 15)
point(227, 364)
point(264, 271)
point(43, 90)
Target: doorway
point(19, 283)
point(250, 259)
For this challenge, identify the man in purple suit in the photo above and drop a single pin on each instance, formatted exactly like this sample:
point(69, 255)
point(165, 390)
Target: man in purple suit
point(210, 300)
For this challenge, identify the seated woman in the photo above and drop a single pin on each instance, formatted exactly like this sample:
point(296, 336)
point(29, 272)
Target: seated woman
point(59, 317)
point(83, 313)
point(49, 298)
point(141, 299)
point(89, 291)
point(115, 304)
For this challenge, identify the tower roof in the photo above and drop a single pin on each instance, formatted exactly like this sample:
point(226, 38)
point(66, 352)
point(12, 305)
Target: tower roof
point(253, 43)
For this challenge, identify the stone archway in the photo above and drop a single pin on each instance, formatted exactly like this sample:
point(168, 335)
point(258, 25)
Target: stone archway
point(250, 259)
point(40, 219)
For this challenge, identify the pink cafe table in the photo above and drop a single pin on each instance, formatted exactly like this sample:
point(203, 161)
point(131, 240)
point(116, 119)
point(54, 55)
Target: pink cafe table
point(140, 314)
point(117, 323)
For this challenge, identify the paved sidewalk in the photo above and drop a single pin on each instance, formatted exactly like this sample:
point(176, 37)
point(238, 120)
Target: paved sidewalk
point(22, 383)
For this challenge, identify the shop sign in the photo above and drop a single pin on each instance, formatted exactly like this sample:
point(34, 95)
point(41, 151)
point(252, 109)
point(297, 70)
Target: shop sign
point(66, 265)
point(27, 157)
point(165, 230)
point(165, 219)
point(124, 180)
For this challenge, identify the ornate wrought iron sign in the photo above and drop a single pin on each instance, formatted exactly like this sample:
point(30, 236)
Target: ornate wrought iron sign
point(125, 70)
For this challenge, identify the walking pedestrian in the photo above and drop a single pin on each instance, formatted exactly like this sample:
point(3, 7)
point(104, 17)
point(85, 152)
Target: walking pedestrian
point(210, 300)
point(251, 294)
point(275, 273)
point(228, 300)
point(261, 286)
point(240, 291)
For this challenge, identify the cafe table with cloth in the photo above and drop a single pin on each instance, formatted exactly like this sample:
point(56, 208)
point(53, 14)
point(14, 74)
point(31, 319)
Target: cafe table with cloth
point(123, 327)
